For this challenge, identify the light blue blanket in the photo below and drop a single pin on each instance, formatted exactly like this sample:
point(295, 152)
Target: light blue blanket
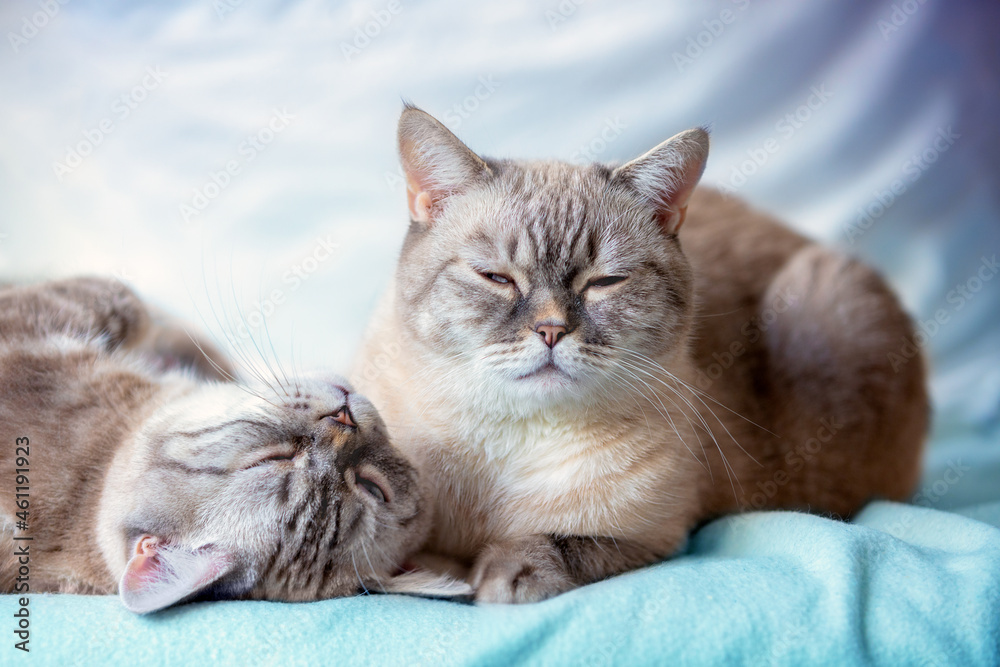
point(900, 585)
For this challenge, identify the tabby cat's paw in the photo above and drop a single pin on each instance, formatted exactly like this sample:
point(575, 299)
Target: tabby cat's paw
point(95, 306)
point(527, 569)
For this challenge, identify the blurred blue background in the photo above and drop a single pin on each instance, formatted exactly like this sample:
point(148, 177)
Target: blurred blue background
point(235, 161)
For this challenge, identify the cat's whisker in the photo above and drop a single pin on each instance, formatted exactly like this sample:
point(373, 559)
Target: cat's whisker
point(721, 423)
point(694, 390)
point(664, 413)
point(730, 471)
point(260, 352)
point(672, 402)
point(242, 352)
point(695, 394)
point(694, 429)
point(371, 567)
point(618, 383)
point(229, 377)
point(631, 394)
point(236, 346)
point(358, 575)
point(274, 354)
point(223, 328)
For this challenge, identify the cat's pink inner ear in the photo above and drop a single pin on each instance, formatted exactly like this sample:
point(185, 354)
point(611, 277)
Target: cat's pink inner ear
point(436, 163)
point(667, 175)
point(421, 204)
point(159, 574)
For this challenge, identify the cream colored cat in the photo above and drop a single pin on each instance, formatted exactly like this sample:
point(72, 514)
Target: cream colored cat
point(139, 476)
point(585, 380)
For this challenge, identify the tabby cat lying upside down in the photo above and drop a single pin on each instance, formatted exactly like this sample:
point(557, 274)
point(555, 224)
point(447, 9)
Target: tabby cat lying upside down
point(164, 485)
point(587, 380)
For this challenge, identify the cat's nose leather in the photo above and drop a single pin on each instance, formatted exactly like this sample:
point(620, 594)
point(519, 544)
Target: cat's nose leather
point(551, 333)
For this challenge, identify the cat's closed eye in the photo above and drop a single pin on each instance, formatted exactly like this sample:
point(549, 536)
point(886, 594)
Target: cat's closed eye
point(604, 281)
point(276, 456)
point(369, 483)
point(497, 278)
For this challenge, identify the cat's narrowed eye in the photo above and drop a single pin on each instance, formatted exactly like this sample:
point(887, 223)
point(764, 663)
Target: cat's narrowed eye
point(497, 277)
point(605, 281)
point(370, 487)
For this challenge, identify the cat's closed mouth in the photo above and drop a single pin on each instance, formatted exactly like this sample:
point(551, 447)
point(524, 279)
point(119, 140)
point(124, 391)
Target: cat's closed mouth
point(547, 371)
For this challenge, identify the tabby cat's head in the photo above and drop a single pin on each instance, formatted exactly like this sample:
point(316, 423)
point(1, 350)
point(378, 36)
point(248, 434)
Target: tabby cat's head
point(294, 494)
point(540, 280)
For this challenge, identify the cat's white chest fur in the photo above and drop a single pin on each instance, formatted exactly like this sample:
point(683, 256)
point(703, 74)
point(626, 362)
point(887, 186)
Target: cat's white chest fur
point(544, 475)
point(540, 457)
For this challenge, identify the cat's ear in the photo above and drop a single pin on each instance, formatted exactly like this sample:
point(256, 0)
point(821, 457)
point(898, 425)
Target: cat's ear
point(428, 584)
point(437, 164)
point(160, 574)
point(666, 176)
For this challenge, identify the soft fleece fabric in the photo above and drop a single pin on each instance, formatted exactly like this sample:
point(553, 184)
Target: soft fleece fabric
point(900, 585)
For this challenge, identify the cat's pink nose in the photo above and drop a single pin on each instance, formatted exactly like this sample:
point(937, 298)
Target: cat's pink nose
point(551, 333)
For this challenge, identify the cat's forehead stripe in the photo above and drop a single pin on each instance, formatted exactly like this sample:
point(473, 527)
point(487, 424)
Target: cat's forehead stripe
point(219, 427)
point(174, 464)
point(559, 226)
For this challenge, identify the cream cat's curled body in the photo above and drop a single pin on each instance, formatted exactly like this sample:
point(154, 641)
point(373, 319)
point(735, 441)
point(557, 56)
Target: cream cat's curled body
point(592, 360)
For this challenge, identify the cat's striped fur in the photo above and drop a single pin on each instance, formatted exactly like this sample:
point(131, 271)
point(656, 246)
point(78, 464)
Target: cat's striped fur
point(163, 485)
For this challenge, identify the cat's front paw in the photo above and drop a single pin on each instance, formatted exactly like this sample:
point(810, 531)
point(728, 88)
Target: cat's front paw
point(527, 569)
